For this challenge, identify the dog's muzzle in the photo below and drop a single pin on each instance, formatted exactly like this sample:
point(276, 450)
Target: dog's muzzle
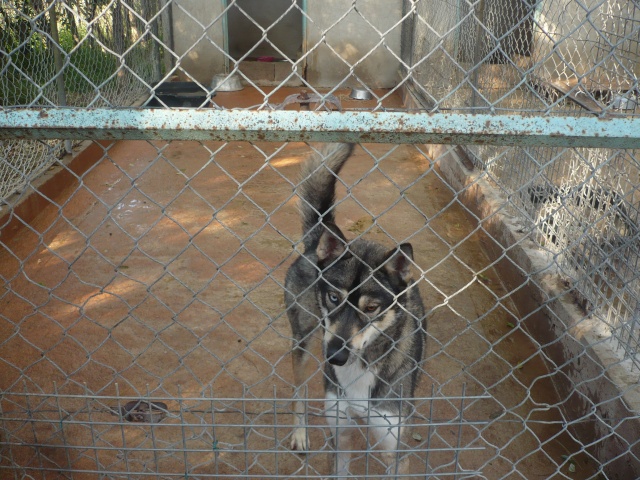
point(337, 352)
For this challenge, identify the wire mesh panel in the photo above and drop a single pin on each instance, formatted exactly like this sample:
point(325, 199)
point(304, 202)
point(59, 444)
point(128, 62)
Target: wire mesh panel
point(145, 312)
point(211, 438)
point(84, 54)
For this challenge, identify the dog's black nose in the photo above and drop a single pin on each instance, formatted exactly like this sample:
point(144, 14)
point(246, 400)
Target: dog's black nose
point(337, 352)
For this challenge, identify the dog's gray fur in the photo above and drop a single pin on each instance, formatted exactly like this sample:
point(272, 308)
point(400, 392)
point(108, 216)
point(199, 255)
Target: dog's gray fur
point(361, 297)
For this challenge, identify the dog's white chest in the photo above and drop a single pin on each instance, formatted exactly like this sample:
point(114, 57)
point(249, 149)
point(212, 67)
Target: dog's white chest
point(356, 383)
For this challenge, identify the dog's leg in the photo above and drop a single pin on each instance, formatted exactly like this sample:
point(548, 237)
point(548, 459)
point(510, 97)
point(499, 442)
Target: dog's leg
point(389, 432)
point(340, 426)
point(299, 357)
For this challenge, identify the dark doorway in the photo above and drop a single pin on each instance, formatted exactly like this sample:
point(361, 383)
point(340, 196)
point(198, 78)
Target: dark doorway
point(283, 30)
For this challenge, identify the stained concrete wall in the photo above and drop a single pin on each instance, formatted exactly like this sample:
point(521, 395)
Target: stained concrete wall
point(198, 38)
point(355, 40)
point(284, 32)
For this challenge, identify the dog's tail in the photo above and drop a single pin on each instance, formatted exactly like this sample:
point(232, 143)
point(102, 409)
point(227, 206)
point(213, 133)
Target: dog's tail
point(317, 189)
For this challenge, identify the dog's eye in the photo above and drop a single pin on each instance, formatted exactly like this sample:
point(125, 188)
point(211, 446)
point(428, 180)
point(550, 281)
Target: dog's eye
point(371, 308)
point(333, 297)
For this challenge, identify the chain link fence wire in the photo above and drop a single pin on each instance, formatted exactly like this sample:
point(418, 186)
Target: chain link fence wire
point(553, 58)
point(76, 53)
point(143, 331)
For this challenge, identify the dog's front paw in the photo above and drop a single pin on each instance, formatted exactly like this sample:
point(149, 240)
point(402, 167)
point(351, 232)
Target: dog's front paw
point(299, 440)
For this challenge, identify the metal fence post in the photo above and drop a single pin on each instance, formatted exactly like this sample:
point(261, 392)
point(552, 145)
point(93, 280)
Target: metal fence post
point(62, 94)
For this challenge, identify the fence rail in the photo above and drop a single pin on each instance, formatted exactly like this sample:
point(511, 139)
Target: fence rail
point(505, 130)
point(142, 324)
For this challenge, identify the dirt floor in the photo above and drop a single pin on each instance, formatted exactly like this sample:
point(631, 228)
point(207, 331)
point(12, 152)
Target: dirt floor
point(159, 274)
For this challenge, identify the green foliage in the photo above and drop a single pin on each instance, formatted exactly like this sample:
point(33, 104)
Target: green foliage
point(90, 65)
point(27, 65)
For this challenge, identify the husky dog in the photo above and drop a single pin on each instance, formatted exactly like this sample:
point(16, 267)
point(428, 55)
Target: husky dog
point(361, 297)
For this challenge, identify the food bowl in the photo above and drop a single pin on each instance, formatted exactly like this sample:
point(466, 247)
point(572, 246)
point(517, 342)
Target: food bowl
point(360, 94)
point(224, 82)
point(179, 94)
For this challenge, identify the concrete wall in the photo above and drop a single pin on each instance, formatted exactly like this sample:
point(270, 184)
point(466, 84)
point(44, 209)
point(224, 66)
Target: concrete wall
point(194, 42)
point(352, 40)
point(284, 33)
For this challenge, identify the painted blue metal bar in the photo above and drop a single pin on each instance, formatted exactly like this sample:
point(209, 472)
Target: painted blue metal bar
point(381, 127)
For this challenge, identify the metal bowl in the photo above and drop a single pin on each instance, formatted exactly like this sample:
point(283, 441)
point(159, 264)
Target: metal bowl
point(223, 82)
point(625, 101)
point(360, 94)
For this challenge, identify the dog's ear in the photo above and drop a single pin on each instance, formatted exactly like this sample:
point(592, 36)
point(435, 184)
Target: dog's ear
point(331, 246)
point(399, 260)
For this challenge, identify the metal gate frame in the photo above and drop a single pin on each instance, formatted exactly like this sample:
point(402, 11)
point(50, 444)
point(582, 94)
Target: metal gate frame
point(382, 127)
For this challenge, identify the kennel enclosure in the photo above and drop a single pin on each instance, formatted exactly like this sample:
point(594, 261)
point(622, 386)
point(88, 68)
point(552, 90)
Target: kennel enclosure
point(144, 245)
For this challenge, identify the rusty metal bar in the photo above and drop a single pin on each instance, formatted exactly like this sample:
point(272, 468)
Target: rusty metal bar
point(381, 127)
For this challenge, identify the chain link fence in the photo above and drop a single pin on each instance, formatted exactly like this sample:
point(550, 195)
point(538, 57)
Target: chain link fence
point(143, 329)
point(77, 53)
point(554, 58)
